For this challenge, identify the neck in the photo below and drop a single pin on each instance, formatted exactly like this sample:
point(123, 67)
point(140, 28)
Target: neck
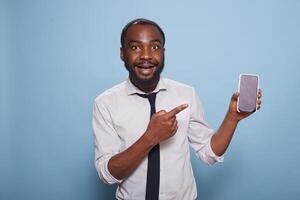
point(146, 87)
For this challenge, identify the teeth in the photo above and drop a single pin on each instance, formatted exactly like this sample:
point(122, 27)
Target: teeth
point(145, 70)
point(145, 65)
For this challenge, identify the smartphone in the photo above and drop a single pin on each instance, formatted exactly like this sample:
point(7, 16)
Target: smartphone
point(248, 89)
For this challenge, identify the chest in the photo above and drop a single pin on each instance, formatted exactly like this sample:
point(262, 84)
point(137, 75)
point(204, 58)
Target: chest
point(132, 115)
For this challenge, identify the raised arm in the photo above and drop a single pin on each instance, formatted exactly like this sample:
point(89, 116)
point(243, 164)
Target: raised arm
point(221, 139)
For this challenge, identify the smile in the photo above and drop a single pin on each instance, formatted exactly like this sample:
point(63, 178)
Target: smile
point(145, 65)
point(145, 70)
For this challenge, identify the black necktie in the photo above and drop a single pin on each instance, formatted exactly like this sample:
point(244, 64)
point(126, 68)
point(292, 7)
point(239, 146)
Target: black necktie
point(152, 185)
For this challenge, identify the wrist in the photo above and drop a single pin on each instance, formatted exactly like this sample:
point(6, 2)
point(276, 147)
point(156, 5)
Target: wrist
point(232, 118)
point(150, 139)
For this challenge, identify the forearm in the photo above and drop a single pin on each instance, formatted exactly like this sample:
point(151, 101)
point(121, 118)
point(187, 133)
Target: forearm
point(124, 163)
point(221, 139)
point(162, 126)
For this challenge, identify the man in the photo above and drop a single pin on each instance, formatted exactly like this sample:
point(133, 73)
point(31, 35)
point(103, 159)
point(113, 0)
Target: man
point(150, 158)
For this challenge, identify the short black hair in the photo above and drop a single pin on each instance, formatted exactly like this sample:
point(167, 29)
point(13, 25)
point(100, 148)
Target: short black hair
point(141, 21)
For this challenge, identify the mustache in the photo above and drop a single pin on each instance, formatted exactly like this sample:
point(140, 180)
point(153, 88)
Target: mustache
point(145, 63)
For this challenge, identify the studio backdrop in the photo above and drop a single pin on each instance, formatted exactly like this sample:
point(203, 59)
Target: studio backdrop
point(57, 56)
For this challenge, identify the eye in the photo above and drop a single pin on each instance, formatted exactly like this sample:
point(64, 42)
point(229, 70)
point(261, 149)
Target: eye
point(155, 47)
point(134, 47)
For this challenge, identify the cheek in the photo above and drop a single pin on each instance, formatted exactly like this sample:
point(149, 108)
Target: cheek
point(131, 58)
point(159, 57)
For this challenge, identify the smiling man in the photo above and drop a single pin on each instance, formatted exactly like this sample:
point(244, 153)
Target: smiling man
point(143, 127)
point(143, 54)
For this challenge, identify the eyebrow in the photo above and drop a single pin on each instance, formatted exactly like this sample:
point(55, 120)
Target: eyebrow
point(136, 41)
point(156, 40)
point(133, 41)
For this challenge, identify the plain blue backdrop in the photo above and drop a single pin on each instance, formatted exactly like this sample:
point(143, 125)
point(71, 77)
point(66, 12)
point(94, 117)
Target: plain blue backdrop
point(57, 56)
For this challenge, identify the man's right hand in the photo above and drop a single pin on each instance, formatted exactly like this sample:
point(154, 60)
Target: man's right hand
point(164, 125)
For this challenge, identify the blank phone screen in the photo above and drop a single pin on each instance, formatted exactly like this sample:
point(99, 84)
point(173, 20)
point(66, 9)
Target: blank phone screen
point(248, 93)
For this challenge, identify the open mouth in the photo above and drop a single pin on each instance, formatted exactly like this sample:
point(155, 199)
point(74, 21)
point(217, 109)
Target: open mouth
point(145, 69)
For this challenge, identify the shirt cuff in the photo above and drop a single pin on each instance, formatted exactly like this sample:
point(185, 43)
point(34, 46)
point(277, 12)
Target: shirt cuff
point(105, 175)
point(207, 155)
point(212, 154)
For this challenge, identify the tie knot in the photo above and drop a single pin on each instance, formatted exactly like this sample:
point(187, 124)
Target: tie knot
point(151, 97)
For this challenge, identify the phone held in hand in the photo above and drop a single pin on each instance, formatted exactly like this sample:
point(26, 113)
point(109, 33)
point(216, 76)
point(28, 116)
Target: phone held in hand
point(248, 89)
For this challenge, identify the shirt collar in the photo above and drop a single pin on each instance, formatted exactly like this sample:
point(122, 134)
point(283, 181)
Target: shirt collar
point(132, 89)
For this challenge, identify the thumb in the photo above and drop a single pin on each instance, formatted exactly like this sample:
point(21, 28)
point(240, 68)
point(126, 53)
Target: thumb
point(161, 112)
point(235, 96)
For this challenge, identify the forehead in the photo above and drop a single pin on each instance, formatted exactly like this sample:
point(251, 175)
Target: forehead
point(143, 33)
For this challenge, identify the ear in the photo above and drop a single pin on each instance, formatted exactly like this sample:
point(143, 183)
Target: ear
point(121, 53)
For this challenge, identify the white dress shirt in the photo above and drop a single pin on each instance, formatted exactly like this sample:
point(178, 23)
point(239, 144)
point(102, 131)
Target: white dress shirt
point(120, 118)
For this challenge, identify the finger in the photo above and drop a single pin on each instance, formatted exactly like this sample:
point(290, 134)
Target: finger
point(174, 127)
point(176, 110)
point(259, 93)
point(235, 96)
point(161, 112)
point(175, 130)
point(173, 120)
point(258, 102)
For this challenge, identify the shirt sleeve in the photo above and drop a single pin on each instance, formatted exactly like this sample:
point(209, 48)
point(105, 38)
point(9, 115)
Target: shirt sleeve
point(200, 134)
point(106, 142)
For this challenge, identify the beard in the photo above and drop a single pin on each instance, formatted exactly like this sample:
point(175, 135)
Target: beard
point(144, 83)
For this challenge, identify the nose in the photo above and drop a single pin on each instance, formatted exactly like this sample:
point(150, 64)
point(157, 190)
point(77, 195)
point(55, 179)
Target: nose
point(146, 54)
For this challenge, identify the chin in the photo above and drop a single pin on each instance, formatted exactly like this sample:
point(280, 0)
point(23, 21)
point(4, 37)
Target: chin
point(143, 78)
point(143, 81)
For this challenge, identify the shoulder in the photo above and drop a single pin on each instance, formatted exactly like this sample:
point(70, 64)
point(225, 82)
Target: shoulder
point(172, 84)
point(112, 93)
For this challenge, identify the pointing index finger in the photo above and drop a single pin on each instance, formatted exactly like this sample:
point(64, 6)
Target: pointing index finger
point(177, 110)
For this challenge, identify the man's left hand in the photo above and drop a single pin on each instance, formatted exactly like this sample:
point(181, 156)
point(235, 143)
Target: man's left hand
point(237, 116)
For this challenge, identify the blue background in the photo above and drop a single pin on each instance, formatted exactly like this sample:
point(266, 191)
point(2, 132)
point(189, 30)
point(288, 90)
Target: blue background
point(57, 56)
